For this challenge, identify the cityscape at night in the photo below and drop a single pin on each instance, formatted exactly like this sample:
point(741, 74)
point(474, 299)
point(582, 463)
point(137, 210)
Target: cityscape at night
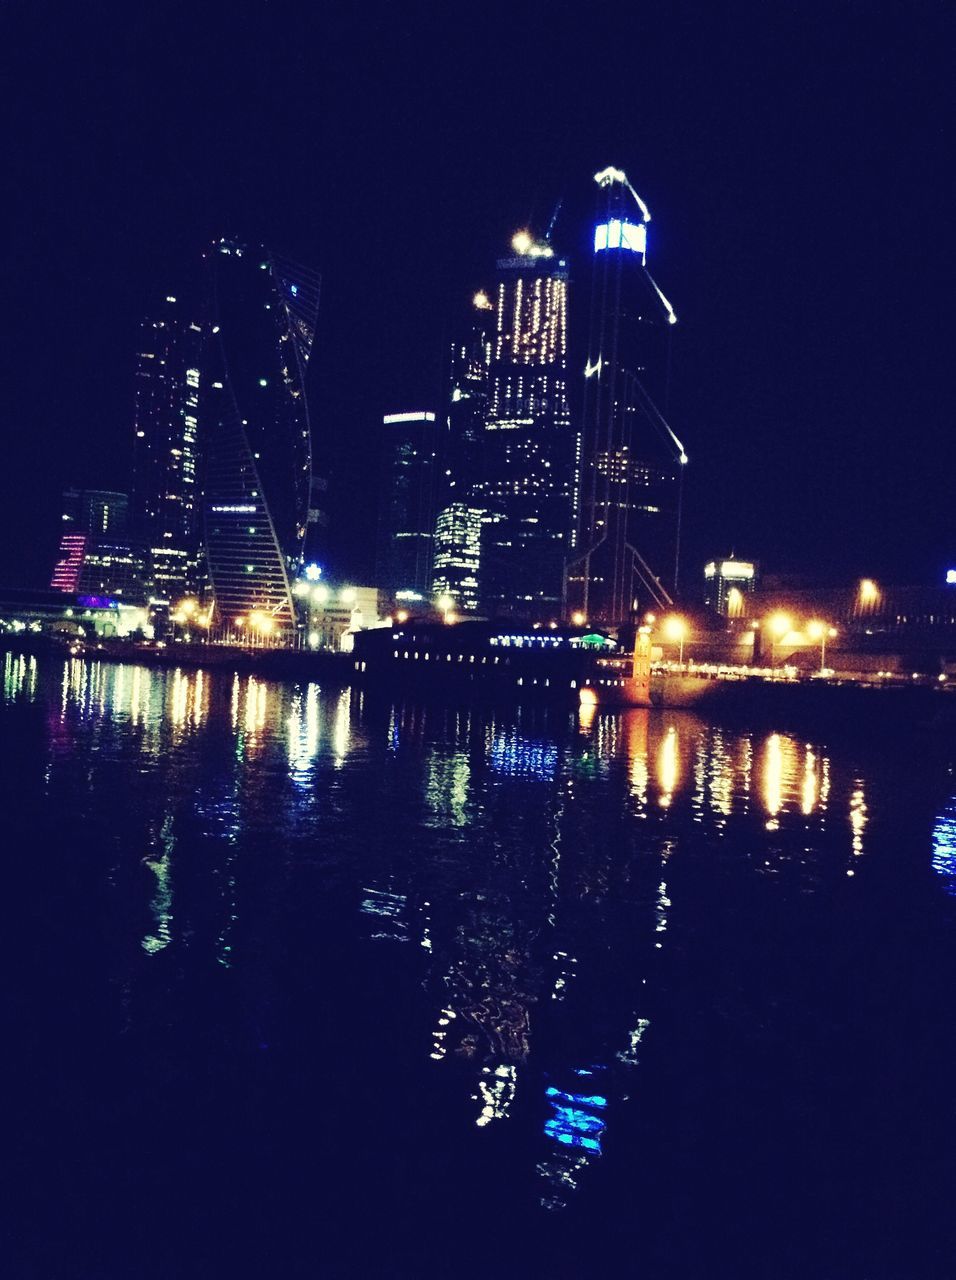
point(478, 630)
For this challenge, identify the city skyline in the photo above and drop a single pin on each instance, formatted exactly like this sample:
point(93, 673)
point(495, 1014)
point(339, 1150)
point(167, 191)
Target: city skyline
point(774, 230)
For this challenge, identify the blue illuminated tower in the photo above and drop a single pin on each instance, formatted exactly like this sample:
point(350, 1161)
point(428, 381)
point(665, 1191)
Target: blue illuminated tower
point(257, 439)
point(628, 460)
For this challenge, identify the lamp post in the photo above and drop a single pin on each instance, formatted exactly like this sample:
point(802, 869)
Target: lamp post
point(676, 629)
point(779, 625)
point(820, 631)
point(867, 596)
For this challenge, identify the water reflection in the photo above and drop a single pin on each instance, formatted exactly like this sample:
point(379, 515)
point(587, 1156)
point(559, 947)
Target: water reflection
point(19, 677)
point(527, 877)
point(161, 903)
point(944, 846)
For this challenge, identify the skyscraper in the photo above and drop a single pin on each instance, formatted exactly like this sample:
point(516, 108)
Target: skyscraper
point(95, 554)
point(458, 555)
point(257, 475)
point(407, 520)
point(626, 491)
point(457, 564)
point(165, 498)
point(524, 481)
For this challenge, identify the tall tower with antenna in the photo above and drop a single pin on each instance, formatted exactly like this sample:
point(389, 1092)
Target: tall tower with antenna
point(627, 484)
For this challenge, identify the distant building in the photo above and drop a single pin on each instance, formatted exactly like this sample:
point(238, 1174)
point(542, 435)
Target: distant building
point(458, 555)
point(67, 613)
point(335, 614)
point(457, 560)
point(524, 481)
point(407, 509)
point(102, 512)
point(165, 489)
point(257, 443)
point(628, 460)
point(95, 555)
point(727, 583)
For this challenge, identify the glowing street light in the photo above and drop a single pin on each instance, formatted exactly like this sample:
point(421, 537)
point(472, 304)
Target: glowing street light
point(778, 625)
point(868, 593)
point(578, 618)
point(820, 631)
point(675, 629)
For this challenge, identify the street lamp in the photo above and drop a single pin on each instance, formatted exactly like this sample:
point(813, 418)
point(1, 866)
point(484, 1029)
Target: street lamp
point(868, 594)
point(779, 625)
point(676, 629)
point(820, 631)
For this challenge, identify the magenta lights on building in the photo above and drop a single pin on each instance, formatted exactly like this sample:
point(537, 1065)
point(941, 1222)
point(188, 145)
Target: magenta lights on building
point(66, 572)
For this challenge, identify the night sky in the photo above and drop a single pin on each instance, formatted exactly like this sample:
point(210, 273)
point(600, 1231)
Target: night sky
point(797, 160)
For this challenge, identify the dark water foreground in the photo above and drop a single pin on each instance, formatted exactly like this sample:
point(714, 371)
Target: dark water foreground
point(299, 984)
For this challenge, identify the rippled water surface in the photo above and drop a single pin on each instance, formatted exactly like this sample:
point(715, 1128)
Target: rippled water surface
point(306, 983)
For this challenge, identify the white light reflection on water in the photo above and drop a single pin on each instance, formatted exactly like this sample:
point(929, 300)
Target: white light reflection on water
point(668, 766)
point(944, 846)
point(304, 727)
point(523, 844)
point(19, 677)
point(161, 904)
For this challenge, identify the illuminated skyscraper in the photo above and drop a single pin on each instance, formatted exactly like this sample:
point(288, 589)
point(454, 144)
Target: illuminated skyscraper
point(727, 582)
point(524, 484)
point(165, 492)
point(627, 487)
point(458, 555)
point(463, 437)
point(407, 519)
point(95, 554)
point(461, 457)
point(257, 442)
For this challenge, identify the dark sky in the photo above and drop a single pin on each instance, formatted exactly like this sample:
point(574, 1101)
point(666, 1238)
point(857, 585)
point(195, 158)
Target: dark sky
point(797, 160)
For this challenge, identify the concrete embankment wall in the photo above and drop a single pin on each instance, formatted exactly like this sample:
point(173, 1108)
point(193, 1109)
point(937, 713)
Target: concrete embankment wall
point(813, 706)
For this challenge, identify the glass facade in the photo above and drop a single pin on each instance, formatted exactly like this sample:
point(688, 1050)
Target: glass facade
point(257, 474)
point(458, 555)
point(406, 527)
point(165, 491)
point(524, 481)
point(627, 464)
point(95, 555)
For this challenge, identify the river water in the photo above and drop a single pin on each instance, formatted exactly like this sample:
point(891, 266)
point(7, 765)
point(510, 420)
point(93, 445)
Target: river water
point(303, 983)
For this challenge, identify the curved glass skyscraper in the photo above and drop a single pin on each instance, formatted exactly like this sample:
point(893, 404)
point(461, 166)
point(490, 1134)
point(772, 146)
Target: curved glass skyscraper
point(257, 438)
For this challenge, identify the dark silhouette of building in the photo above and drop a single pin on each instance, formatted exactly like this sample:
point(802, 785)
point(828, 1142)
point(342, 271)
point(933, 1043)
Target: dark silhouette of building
point(457, 561)
point(407, 519)
point(626, 490)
